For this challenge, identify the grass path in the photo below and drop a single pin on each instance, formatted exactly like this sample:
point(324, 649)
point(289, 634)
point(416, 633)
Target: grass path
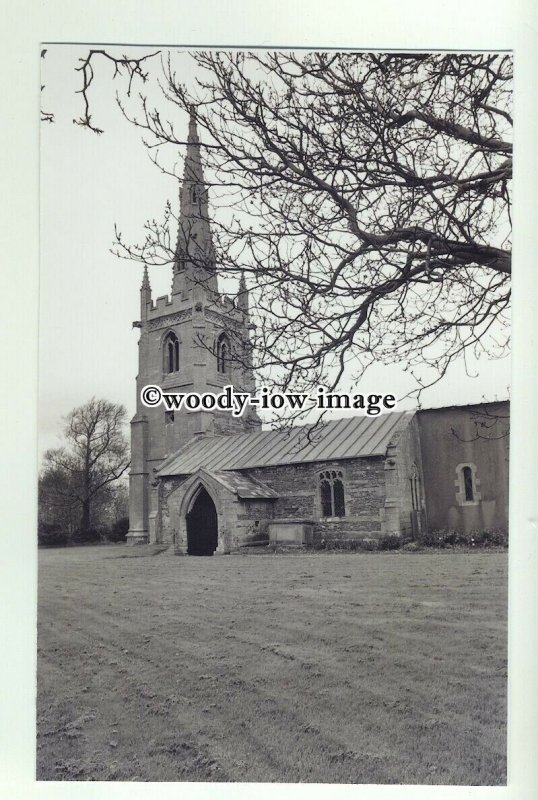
point(366, 668)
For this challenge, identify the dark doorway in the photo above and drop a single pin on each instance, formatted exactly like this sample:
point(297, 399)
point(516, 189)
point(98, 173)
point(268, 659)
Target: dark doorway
point(202, 536)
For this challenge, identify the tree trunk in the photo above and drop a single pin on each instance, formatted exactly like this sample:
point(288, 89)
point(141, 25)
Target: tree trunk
point(85, 518)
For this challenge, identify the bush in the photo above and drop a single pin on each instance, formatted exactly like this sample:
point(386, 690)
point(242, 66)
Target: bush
point(354, 545)
point(119, 530)
point(496, 538)
point(440, 538)
point(477, 538)
point(91, 535)
point(389, 542)
point(50, 533)
point(411, 546)
point(346, 545)
point(367, 544)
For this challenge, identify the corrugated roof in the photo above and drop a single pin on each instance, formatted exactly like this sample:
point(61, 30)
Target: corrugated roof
point(352, 437)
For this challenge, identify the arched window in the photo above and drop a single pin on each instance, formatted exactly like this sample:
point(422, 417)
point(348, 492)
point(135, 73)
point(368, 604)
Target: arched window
point(223, 354)
point(326, 498)
point(467, 485)
point(331, 485)
point(195, 194)
point(171, 353)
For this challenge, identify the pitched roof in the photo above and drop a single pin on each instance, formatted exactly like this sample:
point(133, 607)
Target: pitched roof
point(244, 486)
point(351, 437)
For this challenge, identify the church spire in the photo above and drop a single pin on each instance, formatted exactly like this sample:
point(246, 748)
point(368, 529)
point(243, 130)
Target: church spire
point(145, 293)
point(242, 295)
point(145, 280)
point(195, 258)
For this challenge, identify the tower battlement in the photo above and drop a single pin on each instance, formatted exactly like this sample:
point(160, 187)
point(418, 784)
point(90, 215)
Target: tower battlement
point(222, 304)
point(162, 305)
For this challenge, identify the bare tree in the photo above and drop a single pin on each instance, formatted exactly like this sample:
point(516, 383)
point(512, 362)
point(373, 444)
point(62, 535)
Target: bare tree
point(123, 65)
point(489, 423)
point(58, 505)
point(96, 454)
point(371, 204)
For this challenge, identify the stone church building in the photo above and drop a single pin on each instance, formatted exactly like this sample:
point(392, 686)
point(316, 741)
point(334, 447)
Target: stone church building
point(208, 482)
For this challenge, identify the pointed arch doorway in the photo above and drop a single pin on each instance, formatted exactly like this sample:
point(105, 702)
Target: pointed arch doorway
point(202, 526)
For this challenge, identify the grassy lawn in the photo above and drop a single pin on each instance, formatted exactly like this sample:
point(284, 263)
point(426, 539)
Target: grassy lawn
point(358, 668)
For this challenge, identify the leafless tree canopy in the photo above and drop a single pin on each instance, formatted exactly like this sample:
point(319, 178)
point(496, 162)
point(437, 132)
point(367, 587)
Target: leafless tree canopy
point(95, 455)
point(366, 197)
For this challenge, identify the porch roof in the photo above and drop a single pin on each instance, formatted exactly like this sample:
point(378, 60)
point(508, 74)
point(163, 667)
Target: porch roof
point(246, 487)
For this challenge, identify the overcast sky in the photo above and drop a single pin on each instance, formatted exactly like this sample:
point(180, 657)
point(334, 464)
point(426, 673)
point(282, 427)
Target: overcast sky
point(88, 297)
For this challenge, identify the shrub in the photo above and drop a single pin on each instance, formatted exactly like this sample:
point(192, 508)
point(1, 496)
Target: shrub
point(119, 530)
point(91, 535)
point(50, 533)
point(347, 545)
point(476, 538)
point(411, 546)
point(367, 544)
point(493, 538)
point(389, 542)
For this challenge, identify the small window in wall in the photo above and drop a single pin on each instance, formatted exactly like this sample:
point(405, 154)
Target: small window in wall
point(331, 487)
point(168, 417)
point(195, 194)
point(171, 353)
point(467, 484)
point(223, 354)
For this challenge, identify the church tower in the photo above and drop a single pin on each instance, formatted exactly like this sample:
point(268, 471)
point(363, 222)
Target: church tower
point(194, 340)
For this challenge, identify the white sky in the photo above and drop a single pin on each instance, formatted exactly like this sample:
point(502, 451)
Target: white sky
point(88, 297)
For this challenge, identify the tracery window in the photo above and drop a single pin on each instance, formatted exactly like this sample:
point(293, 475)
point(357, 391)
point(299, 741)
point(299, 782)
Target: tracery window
point(171, 353)
point(223, 354)
point(332, 496)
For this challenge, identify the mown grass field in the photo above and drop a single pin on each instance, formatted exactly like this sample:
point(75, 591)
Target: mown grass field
point(359, 668)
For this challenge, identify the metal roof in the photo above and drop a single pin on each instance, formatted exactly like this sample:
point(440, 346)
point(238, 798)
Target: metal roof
point(351, 437)
point(244, 486)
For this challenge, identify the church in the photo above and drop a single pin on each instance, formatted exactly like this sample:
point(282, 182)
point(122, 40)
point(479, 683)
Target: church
point(208, 482)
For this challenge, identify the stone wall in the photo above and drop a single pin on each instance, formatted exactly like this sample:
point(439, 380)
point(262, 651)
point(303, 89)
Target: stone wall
point(239, 521)
point(468, 435)
point(403, 462)
point(384, 495)
point(299, 496)
point(242, 521)
point(197, 326)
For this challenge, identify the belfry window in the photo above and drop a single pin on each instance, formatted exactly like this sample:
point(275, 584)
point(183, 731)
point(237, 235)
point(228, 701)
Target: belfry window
point(331, 485)
point(171, 353)
point(223, 354)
